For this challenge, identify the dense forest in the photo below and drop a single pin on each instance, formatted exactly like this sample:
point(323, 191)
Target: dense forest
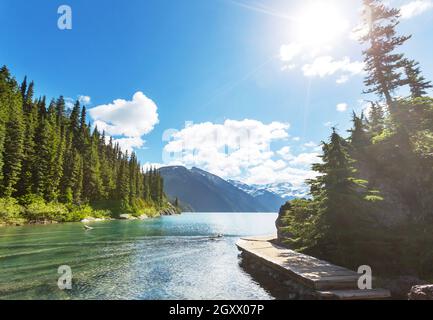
point(54, 167)
point(372, 202)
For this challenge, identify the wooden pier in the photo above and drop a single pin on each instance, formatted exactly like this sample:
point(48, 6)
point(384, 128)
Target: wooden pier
point(326, 280)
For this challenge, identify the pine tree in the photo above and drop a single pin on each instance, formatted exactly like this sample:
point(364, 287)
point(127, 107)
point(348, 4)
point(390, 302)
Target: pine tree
point(77, 176)
point(359, 137)
point(340, 217)
point(13, 136)
point(123, 184)
point(54, 154)
point(417, 83)
point(5, 97)
point(376, 120)
point(382, 63)
point(92, 183)
point(29, 148)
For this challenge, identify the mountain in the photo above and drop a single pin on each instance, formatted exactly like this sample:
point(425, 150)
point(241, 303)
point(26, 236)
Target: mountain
point(267, 198)
point(286, 191)
point(202, 191)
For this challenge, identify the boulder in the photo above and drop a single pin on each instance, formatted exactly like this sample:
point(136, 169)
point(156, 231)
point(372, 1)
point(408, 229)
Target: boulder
point(143, 217)
point(400, 286)
point(424, 292)
point(125, 216)
point(170, 210)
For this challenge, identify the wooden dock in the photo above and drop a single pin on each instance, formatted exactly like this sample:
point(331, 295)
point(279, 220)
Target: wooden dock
point(328, 281)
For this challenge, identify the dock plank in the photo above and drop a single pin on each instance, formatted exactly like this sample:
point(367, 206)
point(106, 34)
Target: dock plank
point(329, 280)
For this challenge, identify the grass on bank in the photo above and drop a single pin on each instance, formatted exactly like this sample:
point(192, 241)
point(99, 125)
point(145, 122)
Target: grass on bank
point(34, 209)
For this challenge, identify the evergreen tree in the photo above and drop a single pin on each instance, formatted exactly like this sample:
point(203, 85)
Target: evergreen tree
point(376, 120)
point(77, 178)
point(382, 63)
point(340, 217)
point(54, 154)
point(29, 148)
point(417, 83)
point(359, 137)
point(13, 135)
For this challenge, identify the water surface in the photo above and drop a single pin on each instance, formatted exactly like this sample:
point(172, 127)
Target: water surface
point(165, 258)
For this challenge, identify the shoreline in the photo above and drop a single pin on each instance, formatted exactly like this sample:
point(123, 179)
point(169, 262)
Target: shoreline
point(122, 217)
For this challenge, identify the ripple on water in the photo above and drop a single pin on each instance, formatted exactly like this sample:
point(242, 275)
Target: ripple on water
point(166, 258)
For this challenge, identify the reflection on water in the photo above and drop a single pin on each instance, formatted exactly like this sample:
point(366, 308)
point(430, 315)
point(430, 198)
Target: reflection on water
point(165, 258)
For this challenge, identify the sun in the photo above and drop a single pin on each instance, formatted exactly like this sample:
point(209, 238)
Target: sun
point(320, 23)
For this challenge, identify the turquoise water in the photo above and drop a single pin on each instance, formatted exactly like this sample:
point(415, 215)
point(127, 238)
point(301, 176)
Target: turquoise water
point(165, 258)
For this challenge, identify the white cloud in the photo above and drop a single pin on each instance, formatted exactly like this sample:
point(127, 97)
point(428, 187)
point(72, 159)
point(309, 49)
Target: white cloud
point(415, 8)
point(305, 159)
point(342, 107)
point(126, 120)
point(85, 100)
point(240, 150)
point(343, 79)
point(290, 51)
point(328, 124)
point(69, 103)
point(326, 66)
point(129, 144)
point(286, 153)
point(310, 144)
point(152, 165)
point(263, 175)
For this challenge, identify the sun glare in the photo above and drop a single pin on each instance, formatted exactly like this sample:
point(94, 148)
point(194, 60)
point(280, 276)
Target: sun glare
point(320, 23)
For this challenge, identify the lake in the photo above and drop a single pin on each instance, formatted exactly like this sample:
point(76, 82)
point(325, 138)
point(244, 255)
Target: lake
point(170, 257)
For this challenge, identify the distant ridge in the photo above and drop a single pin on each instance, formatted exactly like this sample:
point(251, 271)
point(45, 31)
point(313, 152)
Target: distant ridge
point(202, 191)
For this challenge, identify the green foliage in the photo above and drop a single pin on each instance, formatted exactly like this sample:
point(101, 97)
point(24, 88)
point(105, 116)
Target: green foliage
point(383, 64)
point(417, 83)
point(55, 164)
point(10, 211)
point(78, 213)
point(37, 210)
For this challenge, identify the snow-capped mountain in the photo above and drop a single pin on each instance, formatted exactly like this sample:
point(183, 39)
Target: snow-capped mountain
point(286, 191)
point(264, 196)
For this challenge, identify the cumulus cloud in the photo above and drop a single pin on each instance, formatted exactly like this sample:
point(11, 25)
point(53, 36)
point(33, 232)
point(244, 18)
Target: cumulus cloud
point(326, 66)
point(127, 121)
point(129, 144)
point(239, 150)
point(415, 8)
point(305, 159)
point(342, 107)
point(85, 100)
point(310, 144)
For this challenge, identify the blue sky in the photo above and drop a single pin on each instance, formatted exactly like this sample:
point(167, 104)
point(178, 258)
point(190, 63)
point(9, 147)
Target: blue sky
point(270, 68)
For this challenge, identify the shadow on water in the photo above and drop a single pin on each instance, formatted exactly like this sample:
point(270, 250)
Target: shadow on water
point(263, 278)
